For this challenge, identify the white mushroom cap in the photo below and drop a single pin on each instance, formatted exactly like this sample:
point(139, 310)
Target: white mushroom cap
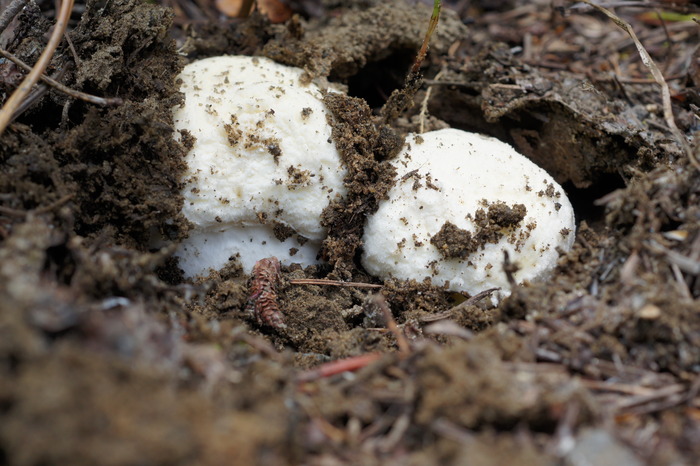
point(238, 70)
point(451, 182)
point(262, 158)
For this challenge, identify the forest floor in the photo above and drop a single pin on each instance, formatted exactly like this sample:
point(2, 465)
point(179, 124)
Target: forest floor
point(108, 356)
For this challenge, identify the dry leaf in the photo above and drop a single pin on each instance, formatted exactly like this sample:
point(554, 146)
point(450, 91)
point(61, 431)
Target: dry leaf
point(275, 10)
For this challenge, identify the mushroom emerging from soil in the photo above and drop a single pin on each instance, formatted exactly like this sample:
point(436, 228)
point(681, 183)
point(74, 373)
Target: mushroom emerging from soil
point(462, 199)
point(261, 163)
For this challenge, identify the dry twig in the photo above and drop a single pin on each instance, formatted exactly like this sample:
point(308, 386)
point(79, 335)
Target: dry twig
point(10, 212)
point(434, 18)
point(317, 281)
point(658, 77)
point(104, 101)
point(459, 307)
point(658, 400)
point(33, 77)
point(686, 264)
point(10, 12)
point(337, 367)
point(401, 340)
point(426, 99)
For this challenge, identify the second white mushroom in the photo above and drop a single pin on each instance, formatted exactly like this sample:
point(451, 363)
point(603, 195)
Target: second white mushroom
point(460, 200)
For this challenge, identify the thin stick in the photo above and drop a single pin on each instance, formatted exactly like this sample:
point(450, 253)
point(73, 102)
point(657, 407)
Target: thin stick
point(401, 99)
point(397, 432)
point(37, 93)
point(33, 77)
point(10, 212)
point(459, 307)
point(314, 281)
point(659, 394)
point(93, 99)
point(401, 340)
point(686, 264)
point(10, 12)
point(424, 104)
point(626, 389)
point(646, 4)
point(246, 8)
point(434, 18)
point(72, 49)
point(53, 205)
point(40, 210)
point(659, 77)
point(337, 367)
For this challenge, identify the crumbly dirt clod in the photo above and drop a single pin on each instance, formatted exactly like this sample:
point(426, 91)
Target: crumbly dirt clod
point(363, 143)
point(453, 242)
point(492, 224)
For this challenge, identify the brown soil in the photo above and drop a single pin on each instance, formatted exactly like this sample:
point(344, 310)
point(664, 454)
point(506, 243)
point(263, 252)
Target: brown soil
point(107, 356)
point(454, 242)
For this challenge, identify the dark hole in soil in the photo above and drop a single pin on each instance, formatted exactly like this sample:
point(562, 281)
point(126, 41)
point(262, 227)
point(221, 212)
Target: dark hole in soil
point(12, 364)
point(377, 80)
point(60, 263)
point(583, 200)
point(41, 116)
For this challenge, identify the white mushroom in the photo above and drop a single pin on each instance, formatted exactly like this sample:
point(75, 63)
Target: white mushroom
point(262, 166)
point(461, 200)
